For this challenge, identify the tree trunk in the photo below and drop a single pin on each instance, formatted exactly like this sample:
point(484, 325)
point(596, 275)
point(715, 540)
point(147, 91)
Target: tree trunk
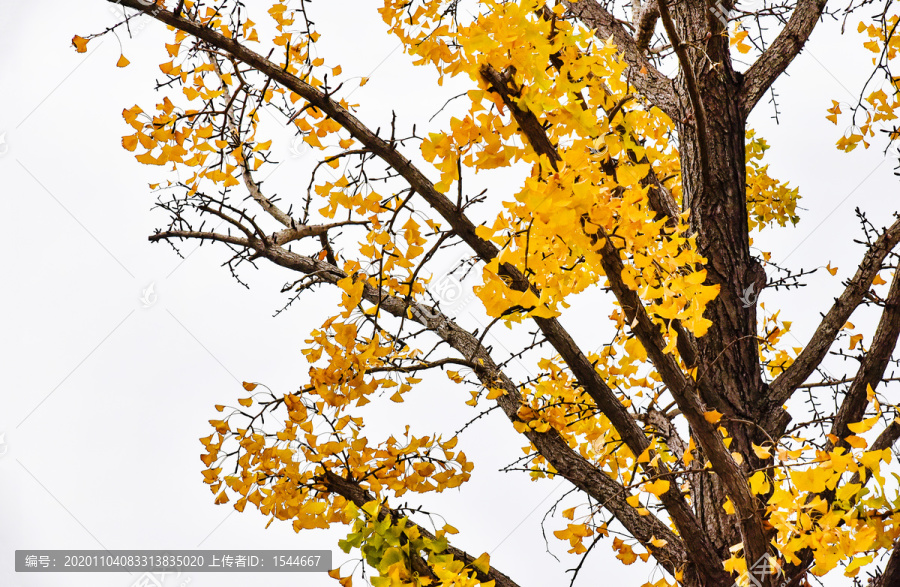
point(728, 356)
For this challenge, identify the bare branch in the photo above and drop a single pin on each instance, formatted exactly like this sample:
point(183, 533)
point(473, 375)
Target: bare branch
point(775, 60)
point(282, 237)
point(785, 384)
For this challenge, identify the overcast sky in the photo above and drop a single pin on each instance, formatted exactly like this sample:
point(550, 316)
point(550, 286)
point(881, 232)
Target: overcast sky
point(107, 384)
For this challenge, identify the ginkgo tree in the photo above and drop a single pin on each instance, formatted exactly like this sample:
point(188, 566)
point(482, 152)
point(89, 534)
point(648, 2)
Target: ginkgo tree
point(682, 433)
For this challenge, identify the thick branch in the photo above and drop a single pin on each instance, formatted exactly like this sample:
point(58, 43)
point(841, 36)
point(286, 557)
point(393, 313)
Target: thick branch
point(666, 430)
point(873, 364)
point(693, 90)
point(785, 384)
point(891, 574)
point(775, 60)
point(646, 23)
point(684, 391)
point(299, 231)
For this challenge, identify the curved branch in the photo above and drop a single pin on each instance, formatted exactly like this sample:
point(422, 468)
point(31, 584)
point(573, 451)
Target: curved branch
point(282, 237)
point(198, 235)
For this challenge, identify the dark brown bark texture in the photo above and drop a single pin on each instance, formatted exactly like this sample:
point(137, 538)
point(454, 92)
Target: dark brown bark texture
point(728, 355)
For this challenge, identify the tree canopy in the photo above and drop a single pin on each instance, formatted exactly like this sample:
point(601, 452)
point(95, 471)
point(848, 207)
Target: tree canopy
point(694, 435)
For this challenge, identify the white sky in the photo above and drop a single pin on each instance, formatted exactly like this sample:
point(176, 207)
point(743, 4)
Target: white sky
point(103, 400)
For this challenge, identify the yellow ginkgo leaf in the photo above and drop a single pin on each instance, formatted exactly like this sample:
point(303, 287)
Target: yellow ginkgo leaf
point(864, 426)
point(249, 386)
point(483, 563)
point(80, 43)
point(246, 402)
point(658, 487)
point(759, 483)
point(264, 146)
point(122, 62)
point(848, 490)
point(834, 111)
point(856, 441)
point(713, 417)
point(830, 269)
point(626, 554)
point(495, 392)
point(761, 452)
point(658, 542)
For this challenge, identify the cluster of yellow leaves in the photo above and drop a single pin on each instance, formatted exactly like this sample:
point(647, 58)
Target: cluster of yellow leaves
point(775, 358)
point(535, 233)
point(880, 117)
point(388, 545)
point(769, 201)
point(739, 38)
point(186, 136)
point(861, 520)
point(340, 379)
point(273, 470)
point(554, 400)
